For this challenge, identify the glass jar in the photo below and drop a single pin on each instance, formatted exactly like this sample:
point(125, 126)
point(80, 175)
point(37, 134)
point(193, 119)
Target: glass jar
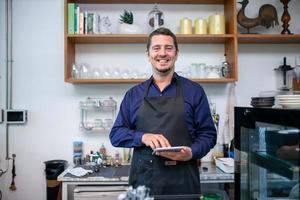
point(155, 18)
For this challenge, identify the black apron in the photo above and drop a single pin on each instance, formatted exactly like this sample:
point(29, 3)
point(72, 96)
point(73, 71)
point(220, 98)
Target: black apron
point(163, 176)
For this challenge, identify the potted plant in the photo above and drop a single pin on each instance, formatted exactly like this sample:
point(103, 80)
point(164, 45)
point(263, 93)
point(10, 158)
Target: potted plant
point(126, 25)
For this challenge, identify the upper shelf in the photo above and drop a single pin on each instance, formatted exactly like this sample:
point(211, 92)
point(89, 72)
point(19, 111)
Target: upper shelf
point(268, 38)
point(142, 38)
point(151, 1)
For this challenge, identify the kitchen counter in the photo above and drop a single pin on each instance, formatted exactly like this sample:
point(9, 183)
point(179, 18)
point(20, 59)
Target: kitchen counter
point(209, 173)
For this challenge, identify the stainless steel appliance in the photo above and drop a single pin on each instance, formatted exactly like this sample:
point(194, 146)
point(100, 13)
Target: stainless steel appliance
point(108, 192)
point(266, 153)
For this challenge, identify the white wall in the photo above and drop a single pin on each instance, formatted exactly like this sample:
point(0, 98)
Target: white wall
point(53, 117)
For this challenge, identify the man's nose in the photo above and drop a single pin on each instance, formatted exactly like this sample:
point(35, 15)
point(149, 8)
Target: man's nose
point(162, 51)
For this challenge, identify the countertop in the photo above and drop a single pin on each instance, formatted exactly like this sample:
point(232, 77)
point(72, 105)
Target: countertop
point(209, 173)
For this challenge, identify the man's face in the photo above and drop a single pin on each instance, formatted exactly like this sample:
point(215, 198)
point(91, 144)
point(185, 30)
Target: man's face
point(162, 54)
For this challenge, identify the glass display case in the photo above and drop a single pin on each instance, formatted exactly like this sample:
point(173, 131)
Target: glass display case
point(266, 153)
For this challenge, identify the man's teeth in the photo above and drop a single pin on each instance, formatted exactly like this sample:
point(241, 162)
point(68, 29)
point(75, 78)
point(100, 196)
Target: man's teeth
point(162, 61)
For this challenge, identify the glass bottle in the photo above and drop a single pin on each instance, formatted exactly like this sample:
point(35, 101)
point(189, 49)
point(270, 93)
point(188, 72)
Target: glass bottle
point(225, 68)
point(103, 151)
point(155, 18)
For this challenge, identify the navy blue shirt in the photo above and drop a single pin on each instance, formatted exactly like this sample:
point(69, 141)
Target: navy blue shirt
point(197, 114)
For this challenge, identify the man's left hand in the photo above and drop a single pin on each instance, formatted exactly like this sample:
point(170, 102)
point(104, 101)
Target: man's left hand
point(184, 155)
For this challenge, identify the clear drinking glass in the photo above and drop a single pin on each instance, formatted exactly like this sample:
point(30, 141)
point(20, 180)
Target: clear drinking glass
point(193, 70)
point(134, 74)
point(125, 74)
point(96, 73)
point(84, 71)
point(106, 73)
point(75, 71)
point(201, 70)
point(116, 73)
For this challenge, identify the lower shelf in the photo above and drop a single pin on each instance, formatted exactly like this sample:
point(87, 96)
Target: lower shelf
point(118, 81)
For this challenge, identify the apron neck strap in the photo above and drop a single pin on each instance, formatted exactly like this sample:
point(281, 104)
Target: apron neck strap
point(178, 86)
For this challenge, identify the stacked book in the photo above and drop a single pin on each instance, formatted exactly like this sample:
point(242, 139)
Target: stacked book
point(82, 22)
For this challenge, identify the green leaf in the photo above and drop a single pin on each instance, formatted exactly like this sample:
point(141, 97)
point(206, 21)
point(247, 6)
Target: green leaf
point(126, 17)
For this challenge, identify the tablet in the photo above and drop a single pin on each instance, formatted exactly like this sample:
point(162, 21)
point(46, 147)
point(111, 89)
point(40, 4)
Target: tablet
point(168, 149)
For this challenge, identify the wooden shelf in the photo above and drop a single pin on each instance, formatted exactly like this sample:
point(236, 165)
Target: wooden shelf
point(268, 39)
point(142, 38)
point(129, 81)
point(228, 40)
point(150, 1)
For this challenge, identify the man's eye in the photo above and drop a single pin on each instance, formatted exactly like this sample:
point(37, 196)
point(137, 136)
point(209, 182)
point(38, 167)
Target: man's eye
point(155, 48)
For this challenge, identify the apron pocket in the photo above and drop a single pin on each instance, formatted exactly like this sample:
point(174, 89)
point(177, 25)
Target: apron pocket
point(144, 171)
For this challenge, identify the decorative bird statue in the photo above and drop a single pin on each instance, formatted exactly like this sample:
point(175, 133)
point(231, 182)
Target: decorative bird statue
point(267, 16)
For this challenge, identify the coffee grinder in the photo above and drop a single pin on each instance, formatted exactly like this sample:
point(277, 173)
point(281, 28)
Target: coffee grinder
point(286, 85)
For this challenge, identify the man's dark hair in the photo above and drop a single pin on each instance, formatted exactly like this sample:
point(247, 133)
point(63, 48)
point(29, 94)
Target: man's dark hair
point(162, 31)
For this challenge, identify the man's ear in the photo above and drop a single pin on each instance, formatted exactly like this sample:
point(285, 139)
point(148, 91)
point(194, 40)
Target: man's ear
point(147, 54)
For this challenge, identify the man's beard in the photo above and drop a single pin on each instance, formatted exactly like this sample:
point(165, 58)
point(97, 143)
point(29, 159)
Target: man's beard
point(163, 71)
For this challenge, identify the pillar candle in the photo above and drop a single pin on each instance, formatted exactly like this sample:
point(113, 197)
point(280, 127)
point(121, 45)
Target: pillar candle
point(217, 24)
point(186, 26)
point(200, 26)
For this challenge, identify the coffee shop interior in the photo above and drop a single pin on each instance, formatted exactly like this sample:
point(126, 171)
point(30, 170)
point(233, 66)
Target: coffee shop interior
point(65, 66)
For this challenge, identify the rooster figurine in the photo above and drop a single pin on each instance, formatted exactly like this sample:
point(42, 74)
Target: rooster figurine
point(267, 16)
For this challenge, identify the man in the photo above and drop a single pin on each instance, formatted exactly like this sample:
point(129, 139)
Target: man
point(165, 110)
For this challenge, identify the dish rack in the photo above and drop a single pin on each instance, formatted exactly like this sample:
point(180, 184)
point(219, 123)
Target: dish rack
point(97, 114)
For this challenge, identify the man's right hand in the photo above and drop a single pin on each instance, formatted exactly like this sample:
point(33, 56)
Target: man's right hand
point(155, 140)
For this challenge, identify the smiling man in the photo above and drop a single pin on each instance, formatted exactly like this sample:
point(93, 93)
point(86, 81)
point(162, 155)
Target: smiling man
point(166, 110)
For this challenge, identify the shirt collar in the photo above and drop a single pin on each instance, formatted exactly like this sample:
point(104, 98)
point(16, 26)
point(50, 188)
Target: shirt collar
point(175, 77)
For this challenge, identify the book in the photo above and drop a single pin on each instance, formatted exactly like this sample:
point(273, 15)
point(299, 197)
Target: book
point(77, 16)
point(81, 23)
point(85, 16)
point(95, 23)
point(90, 18)
point(71, 15)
